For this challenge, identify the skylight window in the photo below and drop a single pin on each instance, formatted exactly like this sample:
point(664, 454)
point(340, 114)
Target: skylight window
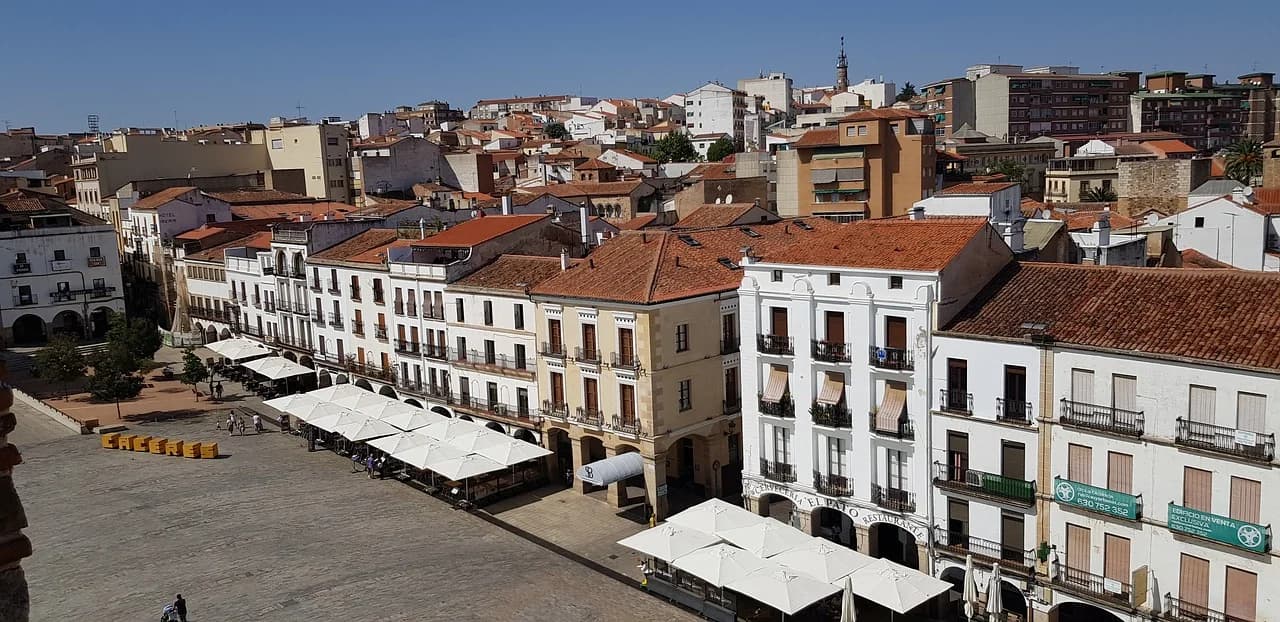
point(750, 232)
point(688, 239)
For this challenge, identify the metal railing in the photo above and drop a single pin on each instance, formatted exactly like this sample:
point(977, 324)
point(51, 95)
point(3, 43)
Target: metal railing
point(1099, 417)
point(587, 416)
point(408, 347)
point(958, 544)
point(552, 349)
point(583, 355)
point(1089, 583)
point(380, 332)
point(953, 401)
point(357, 328)
point(492, 359)
point(317, 317)
point(784, 407)
point(982, 483)
point(831, 415)
point(894, 499)
point(334, 288)
point(777, 471)
point(1224, 440)
point(831, 351)
point(355, 294)
point(20, 300)
point(432, 351)
point(1013, 411)
point(555, 410)
point(728, 345)
point(379, 297)
point(902, 429)
point(624, 425)
point(890, 358)
point(205, 313)
point(731, 407)
point(315, 286)
point(626, 360)
point(1185, 611)
point(832, 485)
point(489, 408)
point(775, 344)
point(335, 319)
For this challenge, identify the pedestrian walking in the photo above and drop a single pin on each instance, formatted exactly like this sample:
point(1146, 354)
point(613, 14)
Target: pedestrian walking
point(284, 423)
point(231, 424)
point(368, 465)
point(243, 425)
point(180, 606)
point(217, 390)
point(257, 423)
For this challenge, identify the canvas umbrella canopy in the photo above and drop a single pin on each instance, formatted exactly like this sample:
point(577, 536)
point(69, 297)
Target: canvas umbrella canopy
point(823, 560)
point(847, 611)
point(335, 421)
point(785, 590)
point(897, 587)
point(399, 442)
point(237, 348)
point(469, 441)
point(668, 542)
point(336, 391)
point(714, 516)
point(448, 429)
point(458, 469)
point(970, 596)
point(766, 538)
point(276, 368)
point(418, 456)
point(363, 401)
point(366, 428)
point(282, 403)
point(512, 452)
point(995, 598)
point(410, 420)
point(720, 564)
point(308, 408)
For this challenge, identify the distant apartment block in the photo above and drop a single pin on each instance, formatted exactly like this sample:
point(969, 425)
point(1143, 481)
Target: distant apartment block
point(1012, 103)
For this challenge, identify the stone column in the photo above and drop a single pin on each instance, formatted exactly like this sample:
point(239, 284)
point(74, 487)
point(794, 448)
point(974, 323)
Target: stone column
point(579, 459)
point(655, 475)
point(15, 602)
point(616, 490)
point(863, 535)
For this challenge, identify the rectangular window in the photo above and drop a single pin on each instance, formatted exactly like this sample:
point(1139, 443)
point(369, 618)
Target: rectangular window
point(1241, 595)
point(957, 385)
point(1251, 410)
point(833, 278)
point(682, 338)
point(778, 321)
point(462, 346)
point(1013, 460)
point(776, 276)
point(59, 255)
point(1082, 386)
point(1080, 463)
point(1120, 472)
point(490, 352)
point(488, 313)
point(462, 316)
point(1197, 489)
point(895, 282)
point(835, 456)
point(1246, 500)
point(553, 333)
point(1115, 558)
point(1193, 580)
point(557, 389)
point(277, 143)
point(686, 394)
point(1202, 402)
point(1015, 393)
point(781, 445)
point(627, 403)
point(589, 341)
point(835, 326)
point(590, 395)
point(1078, 547)
point(626, 346)
point(1013, 535)
point(895, 463)
point(519, 317)
point(95, 251)
point(895, 333)
point(1124, 392)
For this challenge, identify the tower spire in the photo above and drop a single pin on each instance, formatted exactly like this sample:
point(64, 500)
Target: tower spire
point(842, 70)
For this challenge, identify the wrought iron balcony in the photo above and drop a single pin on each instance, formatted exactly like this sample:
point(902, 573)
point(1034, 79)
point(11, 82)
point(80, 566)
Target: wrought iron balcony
point(958, 402)
point(1013, 411)
point(890, 358)
point(784, 407)
point(777, 471)
point(315, 286)
point(1185, 611)
point(774, 344)
point(831, 351)
point(832, 485)
point(317, 317)
point(626, 360)
point(552, 349)
point(1099, 417)
point(624, 425)
point(983, 484)
point(901, 429)
point(380, 332)
point(335, 320)
point(728, 344)
point(357, 328)
point(1091, 584)
point(1230, 441)
point(894, 499)
point(584, 355)
point(831, 415)
point(435, 352)
point(24, 300)
point(958, 545)
point(555, 410)
point(587, 417)
point(408, 348)
point(492, 359)
point(334, 288)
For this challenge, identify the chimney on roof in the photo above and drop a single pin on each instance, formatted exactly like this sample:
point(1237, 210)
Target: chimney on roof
point(1103, 229)
point(746, 256)
point(917, 212)
point(422, 228)
point(564, 259)
point(506, 205)
point(302, 217)
point(582, 222)
point(1243, 196)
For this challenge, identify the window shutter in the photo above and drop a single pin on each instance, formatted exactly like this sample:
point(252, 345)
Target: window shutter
point(1242, 594)
point(1251, 412)
point(1082, 386)
point(1202, 404)
point(1193, 582)
point(1080, 463)
point(1077, 547)
point(1116, 558)
point(1124, 393)
point(1197, 489)
point(1120, 472)
point(1246, 499)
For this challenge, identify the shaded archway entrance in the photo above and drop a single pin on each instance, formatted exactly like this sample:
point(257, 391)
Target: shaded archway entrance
point(306, 361)
point(893, 543)
point(225, 334)
point(496, 427)
point(29, 329)
point(99, 321)
point(341, 379)
point(1081, 612)
point(525, 435)
point(364, 384)
point(67, 323)
point(289, 356)
point(777, 507)
point(388, 391)
point(1013, 601)
point(562, 451)
point(836, 526)
point(442, 411)
point(210, 334)
point(323, 379)
point(592, 451)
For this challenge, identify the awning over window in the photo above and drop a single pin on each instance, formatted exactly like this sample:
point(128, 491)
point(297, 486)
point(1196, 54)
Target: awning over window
point(892, 405)
point(823, 176)
point(776, 386)
point(610, 470)
point(832, 390)
point(849, 174)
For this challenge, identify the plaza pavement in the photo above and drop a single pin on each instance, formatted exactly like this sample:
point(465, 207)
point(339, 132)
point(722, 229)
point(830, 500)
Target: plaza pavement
point(272, 532)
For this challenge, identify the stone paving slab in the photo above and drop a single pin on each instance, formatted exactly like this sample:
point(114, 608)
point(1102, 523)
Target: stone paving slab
point(271, 532)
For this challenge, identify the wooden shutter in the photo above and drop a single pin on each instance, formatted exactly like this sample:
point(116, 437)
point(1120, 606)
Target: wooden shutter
point(1197, 489)
point(1120, 472)
point(778, 321)
point(1013, 535)
point(626, 344)
point(627, 395)
point(1124, 392)
point(1080, 463)
point(590, 395)
point(1202, 404)
point(589, 340)
point(1251, 412)
point(835, 326)
point(1077, 547)
point(1082, 386)
point(553, 333)
point(895, 333)
point(1193, 580)
point(1115, 554)
point(1246, 499)
point(557, 389)
point(1242, 594)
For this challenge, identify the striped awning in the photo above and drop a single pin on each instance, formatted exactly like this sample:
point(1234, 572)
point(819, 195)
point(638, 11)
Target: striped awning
point(832, 389)
point(892, 405)
point(776, 387)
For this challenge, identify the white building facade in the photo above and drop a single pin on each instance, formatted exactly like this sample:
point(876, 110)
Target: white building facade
point(715, 109)
point(1233, 229)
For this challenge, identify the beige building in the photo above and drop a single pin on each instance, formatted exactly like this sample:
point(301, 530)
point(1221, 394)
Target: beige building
point(874, 164)
point(638, 353)
point(320, 151)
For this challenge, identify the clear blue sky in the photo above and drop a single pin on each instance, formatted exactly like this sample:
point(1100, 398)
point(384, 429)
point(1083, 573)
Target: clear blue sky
point(135, 62)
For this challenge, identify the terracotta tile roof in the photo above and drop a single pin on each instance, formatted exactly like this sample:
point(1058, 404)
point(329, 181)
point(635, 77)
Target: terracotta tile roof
point(980, 187)
point(1032, 208)
point(1192, 258)
point(383, 206)
point(712, 171)
point(513, 273)
point(1171, 146)
point(640, 157)
point(241, 197)
point(1266, 195)
point(369, 247)
point(375, 142)
point(200, 233)
point(1084, 220)
point(639, 222)
point(587, 188)
point(594, 164)
point(153, 201)
point(476, 231)
point(651, 267)
point(1236, 318)
point(821, 137)
point(892, 244)
point(952, 156)
point(721, 215)
point(260, 240)
point(886, 114)
point(316, 209)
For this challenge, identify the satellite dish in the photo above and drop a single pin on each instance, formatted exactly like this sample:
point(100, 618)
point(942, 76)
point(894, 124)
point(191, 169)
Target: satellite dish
point(718, 201)
point(728, 198)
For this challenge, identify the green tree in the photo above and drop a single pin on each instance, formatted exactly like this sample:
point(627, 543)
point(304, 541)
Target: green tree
point(1244, 160)
point(194, 370)
point(720, 149)
point(1098, 194)
point(674, 147)
point(60, 361)
point(138, 338)
point(557, 131)
point(113, 380)
point(1015, 172)
point(908, 91)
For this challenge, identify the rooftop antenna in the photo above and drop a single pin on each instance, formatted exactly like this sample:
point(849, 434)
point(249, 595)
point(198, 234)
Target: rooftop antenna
point(7, 125)
point(299, 108)
point(176, 125)
point(93, 123)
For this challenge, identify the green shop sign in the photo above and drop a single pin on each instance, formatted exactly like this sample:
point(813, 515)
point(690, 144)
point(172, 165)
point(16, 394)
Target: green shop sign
point(1096, 499)
point(1237, 533)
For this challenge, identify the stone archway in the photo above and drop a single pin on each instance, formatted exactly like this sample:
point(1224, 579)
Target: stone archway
point(1013, 600)
point(29, 329)
point(525, 435)
point(210, 333)
point(289, 356)
point(834, 525)
point(306, 361)
point(341, 379)
point(592, 448)
point(495, 426)
point(225, 334)
point(777, 507)
point(67, 322)
point(561, 447)
point(893, 543)
point(323, 379)
point(387, 391)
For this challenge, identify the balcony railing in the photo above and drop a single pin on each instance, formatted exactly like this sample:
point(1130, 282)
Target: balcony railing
point(626, 360)
point(587, 417)
point(777, 471)
point(983, 484)
point(217, 315)
point(410, 348)
point(832, 485)
point(894, 499)
point(1224, 440)
point(355, 294)
point(1184, 611)
point(357, 328)
point(831, 415)
point(555, 350)
point(775, 344)
point(953, 401)
point(728, 345)
point(334, 288)
point(485, 407)
point(297, 273)
point(784, 407)
point(831, 351)
point(492, 359)
point(731, 407)
point(380, 332)
point(1091, 584)
point(378, 297)
point(315, 286)
point(555, 410)
point(584, 355)
point(435, 352)
point(901, 429)
point(890, 358)
point(317, 318)
point(958, 545)
point(624, 425)
point(1099, 417)
point(20, 300)
point(1013, 411)
point(335, 320)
